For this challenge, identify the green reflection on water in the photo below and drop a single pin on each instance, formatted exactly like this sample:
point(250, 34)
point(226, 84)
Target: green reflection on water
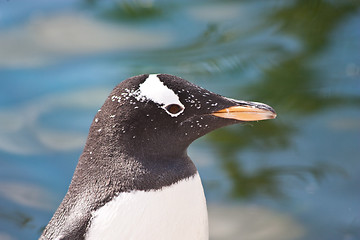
point(128, 10)
point(22, 220)
point(288, 88)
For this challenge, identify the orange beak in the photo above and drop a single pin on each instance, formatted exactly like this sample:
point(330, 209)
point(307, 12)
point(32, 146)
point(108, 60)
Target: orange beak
point(247, 111)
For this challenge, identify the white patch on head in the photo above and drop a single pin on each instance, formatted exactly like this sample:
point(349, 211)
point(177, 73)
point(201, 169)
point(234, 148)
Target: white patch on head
point(175, 212)
point(154, 89)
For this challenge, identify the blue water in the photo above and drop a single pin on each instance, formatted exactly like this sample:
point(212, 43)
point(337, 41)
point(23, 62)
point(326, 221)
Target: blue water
point(295, 177)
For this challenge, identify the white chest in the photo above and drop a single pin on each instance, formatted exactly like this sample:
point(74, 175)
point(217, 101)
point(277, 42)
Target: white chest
point(174, 212)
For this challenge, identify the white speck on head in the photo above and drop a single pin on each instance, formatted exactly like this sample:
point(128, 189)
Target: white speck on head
point(114, 98)
point(96, 120)
point(136, 107)
point(99, 130)
point(134, 136)
point(90, 152)
point(99, 110)
point(154, 89)
point(112, 116)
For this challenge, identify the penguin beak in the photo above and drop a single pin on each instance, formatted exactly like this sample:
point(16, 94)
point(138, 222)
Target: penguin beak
point(247, 111)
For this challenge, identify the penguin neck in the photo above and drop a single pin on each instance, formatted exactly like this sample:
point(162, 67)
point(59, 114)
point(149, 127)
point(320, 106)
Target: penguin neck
point(130, 163)
point(120, 139)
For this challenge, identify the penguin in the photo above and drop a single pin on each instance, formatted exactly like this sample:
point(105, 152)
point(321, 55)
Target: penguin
point(134, 178)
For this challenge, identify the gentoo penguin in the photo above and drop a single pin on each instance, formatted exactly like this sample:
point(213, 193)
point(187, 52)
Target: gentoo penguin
point(134, 179)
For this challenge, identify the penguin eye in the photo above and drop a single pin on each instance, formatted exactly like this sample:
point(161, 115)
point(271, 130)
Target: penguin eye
point(173, 108)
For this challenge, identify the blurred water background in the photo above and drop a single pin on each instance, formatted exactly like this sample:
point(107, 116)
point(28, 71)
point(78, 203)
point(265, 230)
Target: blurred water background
point(295, 177)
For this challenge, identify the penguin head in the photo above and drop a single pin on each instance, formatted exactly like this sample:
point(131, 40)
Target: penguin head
point(161, 114)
